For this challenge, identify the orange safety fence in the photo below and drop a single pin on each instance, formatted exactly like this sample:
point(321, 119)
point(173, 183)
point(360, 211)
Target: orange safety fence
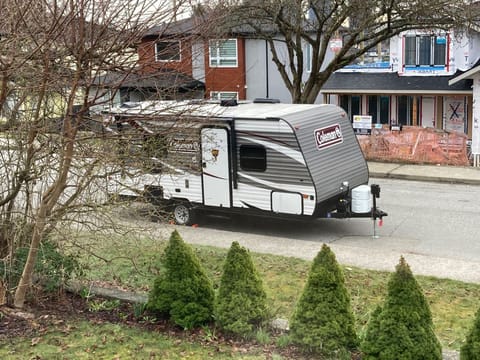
point(415, 145)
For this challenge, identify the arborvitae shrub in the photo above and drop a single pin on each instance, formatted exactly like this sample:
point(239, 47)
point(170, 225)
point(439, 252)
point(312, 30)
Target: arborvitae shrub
point(471, 349)
point(183, 292)
point(241, 300)
point(323, 320)
point(402, 327)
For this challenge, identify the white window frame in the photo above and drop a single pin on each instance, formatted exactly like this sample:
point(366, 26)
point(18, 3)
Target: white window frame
point(433, 44)
point(229, 95)
point(215, 60)
point(169, 60)
point(308, 57)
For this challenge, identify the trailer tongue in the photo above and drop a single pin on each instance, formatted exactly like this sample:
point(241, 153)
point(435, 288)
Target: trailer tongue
point(362, 203)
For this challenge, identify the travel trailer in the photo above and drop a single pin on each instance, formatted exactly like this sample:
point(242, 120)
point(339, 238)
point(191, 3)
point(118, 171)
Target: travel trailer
point(261, 157)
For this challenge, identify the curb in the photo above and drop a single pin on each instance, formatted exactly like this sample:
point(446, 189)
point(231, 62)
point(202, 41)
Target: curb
point(425, 178)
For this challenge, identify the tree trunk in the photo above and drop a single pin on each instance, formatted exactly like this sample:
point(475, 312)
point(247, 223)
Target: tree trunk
point(26, 279)
point(49, 200)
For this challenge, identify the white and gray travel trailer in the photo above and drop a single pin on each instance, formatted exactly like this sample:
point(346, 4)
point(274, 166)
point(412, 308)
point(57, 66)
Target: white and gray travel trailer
point(261, 157)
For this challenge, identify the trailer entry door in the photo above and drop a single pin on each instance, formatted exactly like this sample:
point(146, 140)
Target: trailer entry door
point(215, 164)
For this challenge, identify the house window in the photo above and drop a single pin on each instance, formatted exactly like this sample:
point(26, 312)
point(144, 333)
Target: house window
point(253, 158)
point(223, 53)
point(408, 111)
point(167, 50)
point(308, 57)
point(379, 109)
point(425, 50)
point(351, 105)
point(224, 95)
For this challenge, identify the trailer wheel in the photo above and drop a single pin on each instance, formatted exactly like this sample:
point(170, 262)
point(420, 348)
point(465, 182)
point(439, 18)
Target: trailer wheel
point(183, 214)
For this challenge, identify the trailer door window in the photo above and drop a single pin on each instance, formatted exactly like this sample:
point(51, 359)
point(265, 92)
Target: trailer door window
point(253, 158)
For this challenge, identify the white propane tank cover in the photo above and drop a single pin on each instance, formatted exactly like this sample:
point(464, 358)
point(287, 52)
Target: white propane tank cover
point(361, 199)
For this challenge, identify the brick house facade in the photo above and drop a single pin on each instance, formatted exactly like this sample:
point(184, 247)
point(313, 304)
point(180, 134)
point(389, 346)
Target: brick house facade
point(218, 63)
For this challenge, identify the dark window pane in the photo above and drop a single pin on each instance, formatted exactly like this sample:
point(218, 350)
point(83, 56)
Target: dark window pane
point(372, 108)
point(253, 158)
point(384, 109)
point(402, 102)
point(168, 51)
point(410, 50)
point(425, 48)
point(356, 106)
point(344, 102)
point(440, 51)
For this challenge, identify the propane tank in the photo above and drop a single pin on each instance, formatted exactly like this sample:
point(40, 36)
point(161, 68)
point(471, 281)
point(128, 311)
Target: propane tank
point(361, 199)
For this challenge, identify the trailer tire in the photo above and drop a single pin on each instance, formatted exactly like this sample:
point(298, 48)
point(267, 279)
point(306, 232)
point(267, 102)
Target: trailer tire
point(183, 213)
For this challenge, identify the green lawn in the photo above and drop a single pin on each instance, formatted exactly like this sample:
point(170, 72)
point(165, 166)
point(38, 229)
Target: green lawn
point(132, 263)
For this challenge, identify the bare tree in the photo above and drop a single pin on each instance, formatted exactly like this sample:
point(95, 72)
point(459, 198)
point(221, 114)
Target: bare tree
point(52, 53)
point(289, 26)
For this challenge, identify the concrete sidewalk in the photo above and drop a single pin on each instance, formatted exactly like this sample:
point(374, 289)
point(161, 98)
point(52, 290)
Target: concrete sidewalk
point(435, 173)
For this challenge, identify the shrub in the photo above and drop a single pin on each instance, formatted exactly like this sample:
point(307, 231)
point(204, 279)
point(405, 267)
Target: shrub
point(323, 320)
point(241, 301)
point(52, 267)
point(402, 327)
point(471, 349)
point(182, 292)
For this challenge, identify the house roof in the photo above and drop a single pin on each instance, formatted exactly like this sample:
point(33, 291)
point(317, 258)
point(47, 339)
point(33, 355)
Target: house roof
point(462, 75)
point(210, 23)
point(392, 83)
point(183, 26)
point(162, 79)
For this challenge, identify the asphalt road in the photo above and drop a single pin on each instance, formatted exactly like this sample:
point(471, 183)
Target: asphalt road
point(434, 226)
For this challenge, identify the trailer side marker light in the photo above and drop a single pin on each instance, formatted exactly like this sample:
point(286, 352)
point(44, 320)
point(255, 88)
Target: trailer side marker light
point(305, 196)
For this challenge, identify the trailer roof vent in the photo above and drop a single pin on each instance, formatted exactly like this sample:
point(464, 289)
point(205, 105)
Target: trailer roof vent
point(229, 102)
point(266, 101)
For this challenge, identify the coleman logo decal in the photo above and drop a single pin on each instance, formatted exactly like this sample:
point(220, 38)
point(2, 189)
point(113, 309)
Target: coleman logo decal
point(328, 136)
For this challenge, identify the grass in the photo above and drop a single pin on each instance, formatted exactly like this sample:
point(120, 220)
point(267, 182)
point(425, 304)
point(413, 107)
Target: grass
point(453, 303)
point(84, 340)
point(133, 263)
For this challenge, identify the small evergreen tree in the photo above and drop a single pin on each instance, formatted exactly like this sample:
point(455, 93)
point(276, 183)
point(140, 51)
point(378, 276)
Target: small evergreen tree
point(402, 328)
point(323, 320)
point(183, 292)
point(241, 301)
point(471, 349)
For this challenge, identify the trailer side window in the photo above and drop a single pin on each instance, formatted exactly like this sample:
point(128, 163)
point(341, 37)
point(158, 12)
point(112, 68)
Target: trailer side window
point(253, 158)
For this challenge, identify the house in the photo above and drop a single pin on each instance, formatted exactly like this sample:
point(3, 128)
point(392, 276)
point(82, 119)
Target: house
point(473, 74)
point(411, 84)
point(234, 65)
point(218, 62)
point(115, 88)
point(162, 70)
point(404, 81)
